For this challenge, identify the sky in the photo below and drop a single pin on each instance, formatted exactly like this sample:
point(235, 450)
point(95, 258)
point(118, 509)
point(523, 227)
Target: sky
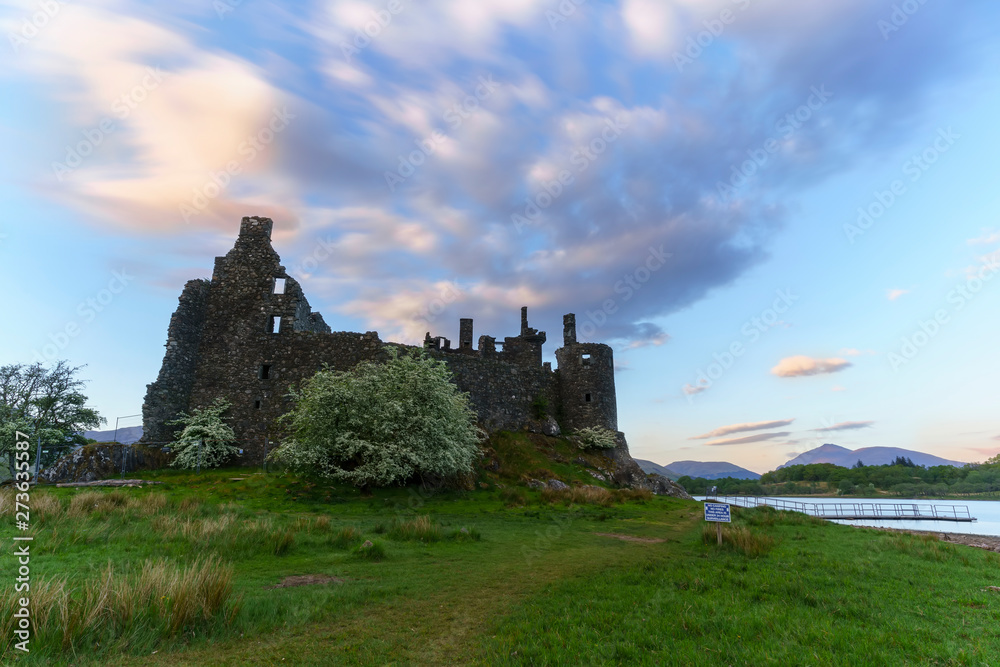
point(781, 214)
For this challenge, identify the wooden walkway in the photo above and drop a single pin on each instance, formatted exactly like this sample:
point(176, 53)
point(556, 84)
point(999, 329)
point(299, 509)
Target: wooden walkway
point(856, 510)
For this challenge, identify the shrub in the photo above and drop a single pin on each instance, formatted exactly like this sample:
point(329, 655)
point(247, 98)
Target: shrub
point(381, 424)
point(205, 440)
point(596, 437)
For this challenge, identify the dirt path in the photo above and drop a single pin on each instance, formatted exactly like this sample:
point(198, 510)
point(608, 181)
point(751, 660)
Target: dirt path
point(444, 627)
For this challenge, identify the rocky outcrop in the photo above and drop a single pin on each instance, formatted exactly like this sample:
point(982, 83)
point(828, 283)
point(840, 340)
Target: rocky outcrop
point(626, 472)
point(663, 486)
point(94, 462)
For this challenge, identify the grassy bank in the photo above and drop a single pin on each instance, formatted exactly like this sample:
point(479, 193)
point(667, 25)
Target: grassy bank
point(200, 570)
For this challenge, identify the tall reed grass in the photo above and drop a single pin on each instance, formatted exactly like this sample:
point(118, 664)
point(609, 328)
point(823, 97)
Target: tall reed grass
point(119, 608)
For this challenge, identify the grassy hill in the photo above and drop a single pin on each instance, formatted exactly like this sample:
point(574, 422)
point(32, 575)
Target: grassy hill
point(204, 570)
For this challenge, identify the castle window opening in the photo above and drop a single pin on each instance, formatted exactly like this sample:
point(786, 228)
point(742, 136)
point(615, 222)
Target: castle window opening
point(279, 285)
point(275, 325)
point(585, 358)
point(586, 398)
point(256, 405)
point(265, 372)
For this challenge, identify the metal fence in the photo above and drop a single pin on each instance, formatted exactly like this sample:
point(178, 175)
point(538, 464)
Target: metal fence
point(857, 510)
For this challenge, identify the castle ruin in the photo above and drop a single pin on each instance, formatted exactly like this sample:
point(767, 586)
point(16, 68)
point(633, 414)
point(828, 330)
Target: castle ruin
point(249, 334)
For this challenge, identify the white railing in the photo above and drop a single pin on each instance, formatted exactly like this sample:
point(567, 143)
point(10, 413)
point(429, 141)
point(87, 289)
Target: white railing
point(856, 510)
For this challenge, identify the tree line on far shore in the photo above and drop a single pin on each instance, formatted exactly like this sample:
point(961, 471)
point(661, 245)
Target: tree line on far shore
point(902, 478)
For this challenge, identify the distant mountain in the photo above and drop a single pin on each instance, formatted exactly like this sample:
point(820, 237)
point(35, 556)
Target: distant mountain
point(711, 470)
point(649, 467)
point(870, 456)
point(126, 435)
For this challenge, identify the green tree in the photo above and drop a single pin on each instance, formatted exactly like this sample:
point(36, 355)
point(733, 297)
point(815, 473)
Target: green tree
point(846, 487)
point(205, 440)
point(382, 423)
point(45, 402)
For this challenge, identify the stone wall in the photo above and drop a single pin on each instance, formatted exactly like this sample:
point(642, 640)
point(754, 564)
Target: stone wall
point(170, 393)
point(250, 335)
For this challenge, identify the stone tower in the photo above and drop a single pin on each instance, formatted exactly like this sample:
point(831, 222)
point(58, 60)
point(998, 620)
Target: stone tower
point(586, 381)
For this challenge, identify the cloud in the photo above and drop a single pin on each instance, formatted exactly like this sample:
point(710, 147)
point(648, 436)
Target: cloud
point(987, 238)
point(894, 294)
point(844, 426)
point(801, 365)
point(740, 428)
point(178, 114)
point(837, 387)
point(691, 390)
point(362, 115)
point(760, 437)
point(647, 334)
point(996, 437)
point(650, 25)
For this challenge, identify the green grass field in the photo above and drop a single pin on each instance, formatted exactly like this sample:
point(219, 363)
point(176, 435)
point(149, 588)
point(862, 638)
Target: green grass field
point(183, 573)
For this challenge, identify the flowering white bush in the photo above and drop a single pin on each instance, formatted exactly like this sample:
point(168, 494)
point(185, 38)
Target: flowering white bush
point(204, 425)
point(596, 437)
point(381, 423)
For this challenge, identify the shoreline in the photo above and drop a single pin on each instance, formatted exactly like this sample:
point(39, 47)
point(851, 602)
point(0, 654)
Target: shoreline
point(987, 542)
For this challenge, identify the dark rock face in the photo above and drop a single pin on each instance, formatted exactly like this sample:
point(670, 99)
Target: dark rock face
point(663, 486)
point(626, 472)
point(249, 335)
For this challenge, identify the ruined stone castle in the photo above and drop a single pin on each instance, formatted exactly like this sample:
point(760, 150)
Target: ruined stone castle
point(248, 334)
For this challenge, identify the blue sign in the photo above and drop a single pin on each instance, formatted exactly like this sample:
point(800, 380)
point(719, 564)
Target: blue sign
point(717, 512)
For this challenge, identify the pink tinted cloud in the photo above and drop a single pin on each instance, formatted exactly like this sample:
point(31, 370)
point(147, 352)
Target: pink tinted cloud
point(801, 365)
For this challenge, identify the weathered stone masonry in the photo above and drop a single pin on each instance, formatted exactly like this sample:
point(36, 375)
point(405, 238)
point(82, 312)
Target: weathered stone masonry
point(249, 334)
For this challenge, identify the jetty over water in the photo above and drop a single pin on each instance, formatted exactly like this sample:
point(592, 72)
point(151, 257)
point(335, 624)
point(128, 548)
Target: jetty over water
point(856, 510)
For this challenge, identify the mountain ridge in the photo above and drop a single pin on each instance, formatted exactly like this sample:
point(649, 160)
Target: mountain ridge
point(711, 470)
point(841, 456)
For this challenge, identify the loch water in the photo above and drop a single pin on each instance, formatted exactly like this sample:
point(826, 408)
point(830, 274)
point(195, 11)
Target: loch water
point(987, 513)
